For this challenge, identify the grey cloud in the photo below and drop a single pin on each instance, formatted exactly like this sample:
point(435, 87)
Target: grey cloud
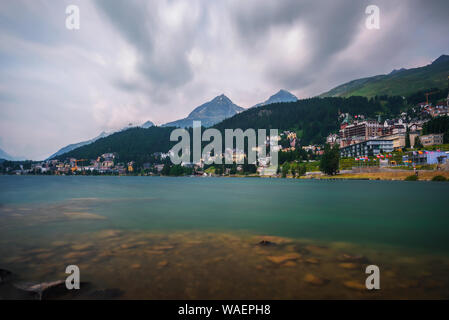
point(59, 87)
point(330, 27)
point(138, 21)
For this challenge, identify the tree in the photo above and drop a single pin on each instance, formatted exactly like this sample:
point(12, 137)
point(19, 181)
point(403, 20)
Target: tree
point(285, 169)
point(302, 170)
point(293, 172)
point(407, 138)
point(330, 161)
point(418, 144)
point(165, 170)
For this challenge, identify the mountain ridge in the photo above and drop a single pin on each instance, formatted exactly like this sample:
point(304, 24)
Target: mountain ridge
point(401, 82)
point(103, 134)
point(6, 156)
point(279, 97)
point(209, 113)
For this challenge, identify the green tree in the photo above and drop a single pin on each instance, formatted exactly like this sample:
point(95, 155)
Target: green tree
point(165, 170)
point(302, 169)
point(418, 144)
point(293, 172)
point(330, 160)
point(407, 138)
point(285, 169)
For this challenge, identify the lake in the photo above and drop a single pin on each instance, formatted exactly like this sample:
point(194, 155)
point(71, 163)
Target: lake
point(199, 238)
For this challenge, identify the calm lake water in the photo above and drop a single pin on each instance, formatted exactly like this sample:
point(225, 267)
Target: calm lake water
point(183, 238)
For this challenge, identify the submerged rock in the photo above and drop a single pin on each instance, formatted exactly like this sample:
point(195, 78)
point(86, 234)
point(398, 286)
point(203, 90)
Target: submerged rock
point(275, 239)
point(284, 258)
point(266, 243)
point(348, 265)
point(104, 234)
point(312, 279)
point(40, 289)
point(354, 285)
point(316, 249)
point(5, 276)
point(83, 216)
point(162, 264)
point(163, 247)
point(349, 258)
point(106, 294)
point(312, 260)
point(82, 246)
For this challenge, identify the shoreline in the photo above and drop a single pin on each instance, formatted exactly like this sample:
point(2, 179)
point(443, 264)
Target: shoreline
point(382, 176)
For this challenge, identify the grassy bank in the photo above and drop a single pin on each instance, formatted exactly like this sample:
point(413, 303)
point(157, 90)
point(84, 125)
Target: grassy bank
point(400, 175)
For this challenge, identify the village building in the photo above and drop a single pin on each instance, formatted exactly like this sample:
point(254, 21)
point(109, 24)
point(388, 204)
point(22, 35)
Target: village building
point(397, 138)
point(431, 139)
point(367, 148)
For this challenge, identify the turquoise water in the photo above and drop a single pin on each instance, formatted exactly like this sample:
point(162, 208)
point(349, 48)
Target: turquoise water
point(151, 223)
point(408, 214)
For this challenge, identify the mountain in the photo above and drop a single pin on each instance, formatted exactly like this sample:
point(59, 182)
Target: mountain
point(103, 134)
point(402, 82)
point(147, 124)
point(134, 144)
point(6, 156)
point(209, 113)
point(312, 120)
point(280, 96)
point(396, 71)
point(73, 146)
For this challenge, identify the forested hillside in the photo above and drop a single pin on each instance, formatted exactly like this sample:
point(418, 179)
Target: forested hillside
point(313, 119)
point(399, 82)
point(135, 144)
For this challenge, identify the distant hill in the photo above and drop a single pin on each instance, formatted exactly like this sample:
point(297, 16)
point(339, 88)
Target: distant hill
point(402, 82)
point(103, 134)
point(6, 156)
point(280, 96)
point(134, 144)
point(209, 113)
point(73, 146)
point(147, 124)
point(312, 119)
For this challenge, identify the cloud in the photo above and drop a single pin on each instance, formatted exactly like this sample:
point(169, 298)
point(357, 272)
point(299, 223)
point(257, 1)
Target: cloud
point(134, 61)
point(161, 32)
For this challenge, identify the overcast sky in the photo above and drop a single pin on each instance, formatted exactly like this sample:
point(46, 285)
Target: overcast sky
point(133, 61)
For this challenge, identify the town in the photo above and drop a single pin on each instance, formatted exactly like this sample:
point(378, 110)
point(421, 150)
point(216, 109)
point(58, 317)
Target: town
point(405, 142)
